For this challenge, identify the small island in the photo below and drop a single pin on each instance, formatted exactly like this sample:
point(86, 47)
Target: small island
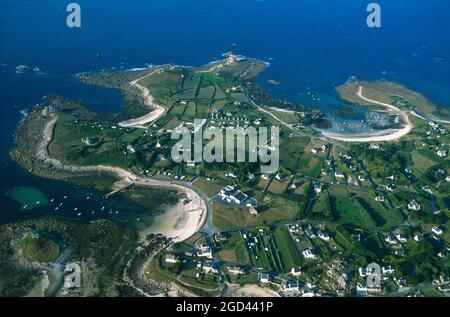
point(39, 249)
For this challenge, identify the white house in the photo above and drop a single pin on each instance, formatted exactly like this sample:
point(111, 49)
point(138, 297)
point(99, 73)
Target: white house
point(309, 254)
point(441, 153)
point(379, 198)
point(437, 230)
point(204, 252)
point(418, 237)
point(414, 205)
point(170, 258)
point(208, 268)
point(386, 270)
point(401, 238)
point(290, 287)
point(235, 270)
point(296, 271)
point(390, 239)
point(323, 235)
point(131, 149)
point(338, 174)
point(230, 194)
point(317, 188)
point(427, 190)
point(345, 155)
point(264, 278)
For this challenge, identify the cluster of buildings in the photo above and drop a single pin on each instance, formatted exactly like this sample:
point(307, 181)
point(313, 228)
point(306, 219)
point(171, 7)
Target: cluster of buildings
point(317, 149)
point(290, 288)
point(229, 194)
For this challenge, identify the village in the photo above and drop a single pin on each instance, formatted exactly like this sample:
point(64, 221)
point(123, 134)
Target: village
point(309, 229)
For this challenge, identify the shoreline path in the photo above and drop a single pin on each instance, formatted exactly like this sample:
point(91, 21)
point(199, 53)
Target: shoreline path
point(381, 136)
point(149, 101)
point(195, 206)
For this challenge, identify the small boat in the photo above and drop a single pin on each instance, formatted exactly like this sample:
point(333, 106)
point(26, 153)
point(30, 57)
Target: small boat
point(25, 207)
point(79, 214)
point(56, 208)
point(75, 209)
point(64, 197)
point(103, 208)
point(52, 200)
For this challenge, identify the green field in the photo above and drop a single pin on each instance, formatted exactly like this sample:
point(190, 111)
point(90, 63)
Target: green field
point(291, 151)
point(289, 254)
point(348, 210)
point(107, 144)
point(275, 209)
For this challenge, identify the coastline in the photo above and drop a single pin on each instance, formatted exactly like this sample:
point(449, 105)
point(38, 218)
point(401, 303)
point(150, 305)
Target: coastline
point(195, 208)
point(380, 136)
point(149, 101)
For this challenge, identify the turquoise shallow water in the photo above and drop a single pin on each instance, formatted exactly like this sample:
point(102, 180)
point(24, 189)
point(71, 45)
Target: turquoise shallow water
point(311, 45)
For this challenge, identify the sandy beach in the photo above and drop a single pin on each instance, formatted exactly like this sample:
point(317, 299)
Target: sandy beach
point(250, 290)
point(190, 216)
point(149, 101)
point(378, 136)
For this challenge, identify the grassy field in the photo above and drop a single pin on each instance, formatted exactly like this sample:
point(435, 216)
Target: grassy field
point(278, 209)
point(377, 210)
point(233, 250)
point(347, 210)
point(423, 160)
point(310, 165)
point(321, 209)
point(278, 187)
point(107, 146)
point(209, 188)
point(289, 254)
point(291, 151)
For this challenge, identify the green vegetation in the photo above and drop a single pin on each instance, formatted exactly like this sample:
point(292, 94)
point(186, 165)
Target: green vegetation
point(39, 249)
point(289, 253)
point(390, 92)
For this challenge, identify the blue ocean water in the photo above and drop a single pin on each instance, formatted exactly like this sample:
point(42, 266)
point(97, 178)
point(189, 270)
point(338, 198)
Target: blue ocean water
point(312, 46)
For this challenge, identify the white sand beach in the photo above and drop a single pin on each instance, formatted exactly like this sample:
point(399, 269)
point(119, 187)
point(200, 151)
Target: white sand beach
point(188, 219)
point(149, 101)
point(378, 136)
